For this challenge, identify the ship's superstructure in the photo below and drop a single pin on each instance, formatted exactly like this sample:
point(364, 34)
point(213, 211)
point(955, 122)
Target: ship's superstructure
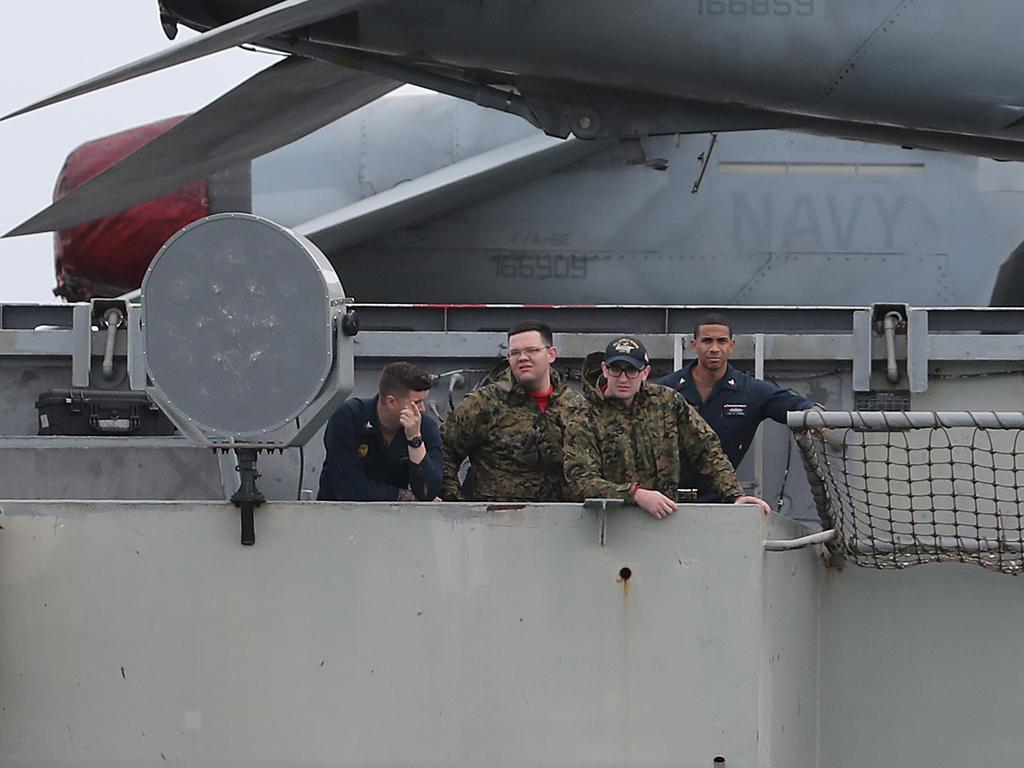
point(502, 634)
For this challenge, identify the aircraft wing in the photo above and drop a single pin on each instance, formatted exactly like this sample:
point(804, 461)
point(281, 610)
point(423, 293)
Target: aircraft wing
point(446, 190)
point(269, 110)
point(257, 26)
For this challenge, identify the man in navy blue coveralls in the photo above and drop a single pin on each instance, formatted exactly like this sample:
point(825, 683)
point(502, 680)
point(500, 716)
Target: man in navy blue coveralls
point(733, 403)
point(384, 448)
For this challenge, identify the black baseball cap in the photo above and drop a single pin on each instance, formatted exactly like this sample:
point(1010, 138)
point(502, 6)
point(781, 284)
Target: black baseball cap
point(627, 349)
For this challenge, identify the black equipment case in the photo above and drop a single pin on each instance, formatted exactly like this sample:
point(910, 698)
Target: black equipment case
point(100, 412)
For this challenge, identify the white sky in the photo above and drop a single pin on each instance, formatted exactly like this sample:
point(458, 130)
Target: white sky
point(51, 44)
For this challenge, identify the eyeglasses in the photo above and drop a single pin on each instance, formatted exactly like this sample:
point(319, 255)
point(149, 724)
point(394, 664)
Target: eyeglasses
point(628, 372)
point(527, 352)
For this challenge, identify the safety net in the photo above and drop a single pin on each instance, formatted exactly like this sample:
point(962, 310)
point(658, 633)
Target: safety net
point(902, 488)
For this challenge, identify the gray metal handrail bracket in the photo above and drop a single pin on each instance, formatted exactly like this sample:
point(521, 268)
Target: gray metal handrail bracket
point(601, 506)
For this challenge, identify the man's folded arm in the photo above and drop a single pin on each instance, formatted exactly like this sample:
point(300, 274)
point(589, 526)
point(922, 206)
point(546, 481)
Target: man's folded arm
point(780, 401)
point(583, 469)
point(426, 477)
point(459, 434)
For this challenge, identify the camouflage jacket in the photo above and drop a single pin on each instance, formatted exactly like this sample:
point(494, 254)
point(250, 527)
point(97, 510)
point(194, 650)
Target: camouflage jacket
point(610, 448)
point(514, 450)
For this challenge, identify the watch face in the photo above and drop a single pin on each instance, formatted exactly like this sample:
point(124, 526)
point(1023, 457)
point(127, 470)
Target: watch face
point(416, 442)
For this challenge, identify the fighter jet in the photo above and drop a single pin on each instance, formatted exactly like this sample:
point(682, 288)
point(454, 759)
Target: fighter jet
point(905, 72)
point(428, 198)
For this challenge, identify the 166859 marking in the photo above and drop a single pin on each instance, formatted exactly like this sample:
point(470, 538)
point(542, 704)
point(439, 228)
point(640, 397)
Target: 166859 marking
point(755, 7)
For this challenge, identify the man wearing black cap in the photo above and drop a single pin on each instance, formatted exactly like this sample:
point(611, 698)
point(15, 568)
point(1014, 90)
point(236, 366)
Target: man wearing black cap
point(632, 438)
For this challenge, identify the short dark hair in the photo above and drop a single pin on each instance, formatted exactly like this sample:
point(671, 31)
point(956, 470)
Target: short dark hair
point(400, 378)
point(711, 318)
point(532, 325)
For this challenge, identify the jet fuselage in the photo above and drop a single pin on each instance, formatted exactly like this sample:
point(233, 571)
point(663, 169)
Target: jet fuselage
point(938, 66)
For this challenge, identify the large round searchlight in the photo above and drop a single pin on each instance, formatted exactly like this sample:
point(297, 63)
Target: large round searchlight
point(241, 334)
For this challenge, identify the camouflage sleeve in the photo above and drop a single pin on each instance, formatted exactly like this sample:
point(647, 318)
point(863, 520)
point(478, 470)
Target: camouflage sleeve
point(583, 465)
point(700, 446)
point(459, 435)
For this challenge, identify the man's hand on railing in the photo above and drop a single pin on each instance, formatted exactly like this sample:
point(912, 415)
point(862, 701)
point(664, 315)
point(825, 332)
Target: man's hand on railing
point(754, 500)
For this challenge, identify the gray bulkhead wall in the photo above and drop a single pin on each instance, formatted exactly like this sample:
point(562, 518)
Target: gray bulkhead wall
point(356, 634)
point(789, 655)
point(457, 635)
point(921, 667)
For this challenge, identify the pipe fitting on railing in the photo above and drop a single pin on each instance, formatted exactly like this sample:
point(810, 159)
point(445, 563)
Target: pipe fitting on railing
point(889, 325)
point(113, 318)
point(787, 545)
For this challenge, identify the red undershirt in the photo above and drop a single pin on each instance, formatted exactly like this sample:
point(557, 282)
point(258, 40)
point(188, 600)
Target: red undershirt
point(542, 399)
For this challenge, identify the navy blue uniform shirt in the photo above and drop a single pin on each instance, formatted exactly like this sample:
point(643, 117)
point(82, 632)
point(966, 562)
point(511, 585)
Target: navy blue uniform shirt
point(361, 467)
point(737, 405)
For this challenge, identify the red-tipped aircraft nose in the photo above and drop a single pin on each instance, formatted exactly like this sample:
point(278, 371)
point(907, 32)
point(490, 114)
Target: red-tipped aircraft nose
point(109, 256)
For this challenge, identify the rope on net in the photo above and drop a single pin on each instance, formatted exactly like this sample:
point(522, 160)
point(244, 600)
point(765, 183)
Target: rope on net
point(912, 487)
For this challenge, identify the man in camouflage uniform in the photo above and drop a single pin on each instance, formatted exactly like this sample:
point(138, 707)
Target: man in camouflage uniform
point(628, 443)
point(512, 430)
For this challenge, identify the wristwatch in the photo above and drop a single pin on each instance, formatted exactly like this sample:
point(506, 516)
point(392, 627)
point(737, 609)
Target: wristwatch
point(414, 442)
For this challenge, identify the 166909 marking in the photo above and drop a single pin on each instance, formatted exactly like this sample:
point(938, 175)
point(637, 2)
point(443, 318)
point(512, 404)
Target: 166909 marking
point(540, 266)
